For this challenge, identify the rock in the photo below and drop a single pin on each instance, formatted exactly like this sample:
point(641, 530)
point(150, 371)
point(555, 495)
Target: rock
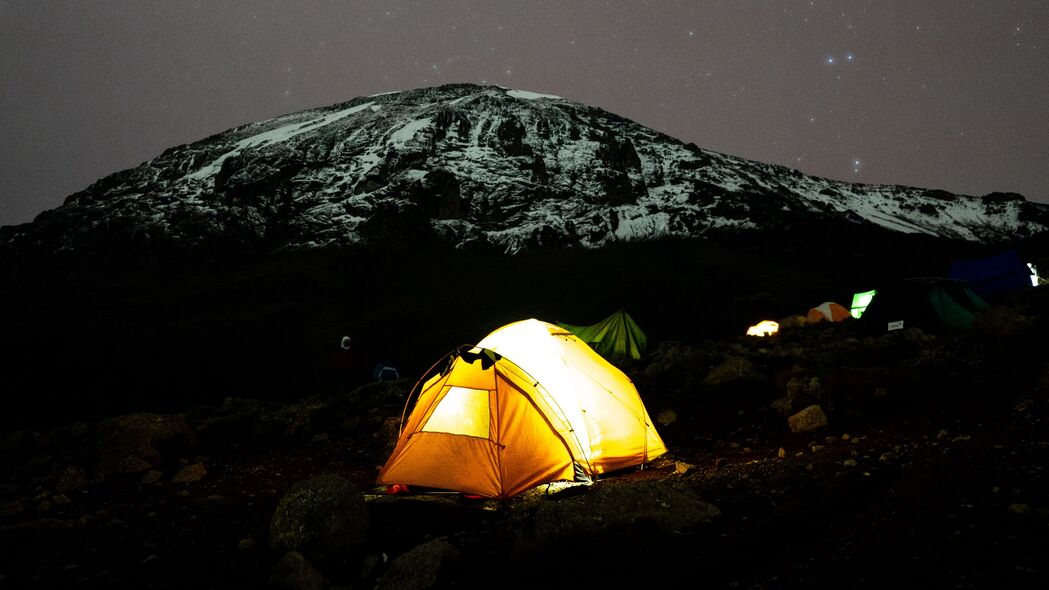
point(850, 463)
point(666, 417)
point(324, 518)
point(12, 508)
point(295, 572)
point(389, 432)
point(734, 370)
point(804, 391)
point(421, 568)
point(136, 442)
point(69, 433)
point(781, 453)
point(246, 544)
point(781, 405)
point(60, 500)
point(190, 473)
point(1002, 322)
point(810, 419)
point(670, 508)
point(72, 478)
point(152, 476)
point(1020, 509)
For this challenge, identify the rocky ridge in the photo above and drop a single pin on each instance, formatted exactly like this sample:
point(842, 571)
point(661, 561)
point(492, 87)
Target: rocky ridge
point(472, 167)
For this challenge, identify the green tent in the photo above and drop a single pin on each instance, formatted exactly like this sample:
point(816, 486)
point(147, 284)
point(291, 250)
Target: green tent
point(932, 304)
point(618, 335)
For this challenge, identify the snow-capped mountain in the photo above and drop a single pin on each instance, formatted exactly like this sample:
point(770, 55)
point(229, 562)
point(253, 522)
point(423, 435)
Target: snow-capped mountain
point(476, 166)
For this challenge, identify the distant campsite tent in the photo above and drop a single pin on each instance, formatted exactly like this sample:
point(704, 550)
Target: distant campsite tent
point(494, 427)
point(829, 311)
point(763, 328)
point(934, 305)
point(993, 275)
point(860, 301)
point(618, 335)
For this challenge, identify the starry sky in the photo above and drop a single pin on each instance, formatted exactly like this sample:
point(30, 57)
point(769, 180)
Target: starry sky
point(942, 94)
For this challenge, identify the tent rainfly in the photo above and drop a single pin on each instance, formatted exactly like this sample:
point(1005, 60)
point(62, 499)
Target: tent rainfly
point(618, 335)
point(494, 427)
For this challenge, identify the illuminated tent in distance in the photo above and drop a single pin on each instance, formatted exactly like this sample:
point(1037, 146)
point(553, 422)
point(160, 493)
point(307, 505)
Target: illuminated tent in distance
point(860, 301)
point(763, 328)
point(618, 335)
point(829, 311)
point(530, 404)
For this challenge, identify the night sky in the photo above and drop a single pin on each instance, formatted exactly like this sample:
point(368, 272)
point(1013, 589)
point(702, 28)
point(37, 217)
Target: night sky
point(944, 94)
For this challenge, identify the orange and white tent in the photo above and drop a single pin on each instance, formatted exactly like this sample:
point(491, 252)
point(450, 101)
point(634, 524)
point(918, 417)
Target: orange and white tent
point(530, 404)
point(829, 311)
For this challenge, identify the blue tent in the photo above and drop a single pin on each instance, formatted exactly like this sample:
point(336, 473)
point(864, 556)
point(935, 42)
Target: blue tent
point(993, 275)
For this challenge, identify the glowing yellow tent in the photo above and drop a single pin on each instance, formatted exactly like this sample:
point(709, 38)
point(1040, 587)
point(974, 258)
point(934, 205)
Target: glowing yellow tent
point(531, 404)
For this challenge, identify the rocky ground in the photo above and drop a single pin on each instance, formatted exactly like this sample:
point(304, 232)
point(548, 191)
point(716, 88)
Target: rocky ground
point(923, 466)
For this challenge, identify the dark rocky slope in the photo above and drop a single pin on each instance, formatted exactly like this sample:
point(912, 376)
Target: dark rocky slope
point(930, 472)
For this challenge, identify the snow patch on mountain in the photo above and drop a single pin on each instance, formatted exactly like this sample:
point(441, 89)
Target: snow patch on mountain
point(526, 95)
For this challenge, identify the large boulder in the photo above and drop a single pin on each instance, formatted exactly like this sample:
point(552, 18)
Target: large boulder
point(324, 518)
point(426, 566)
point(627, 522)
point(295, 572)
point(134, 443)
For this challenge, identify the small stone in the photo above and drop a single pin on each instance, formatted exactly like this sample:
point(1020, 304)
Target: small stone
point(246, 544)
point(190, 473)
point(781, 453)
point(1020, 509)
point(60, 500)
point(666, 417)
point(942, 434)
point(322, 437)
point(851, 463)
point(887, 457)
point(845, 436)
point(816, 448)
point(44, 506)
point(809, 467)
point(12, 508)
point(152, 476)
point(183, 493)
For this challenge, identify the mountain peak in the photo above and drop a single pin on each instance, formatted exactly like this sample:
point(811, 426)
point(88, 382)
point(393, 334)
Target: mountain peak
point(476, 166)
